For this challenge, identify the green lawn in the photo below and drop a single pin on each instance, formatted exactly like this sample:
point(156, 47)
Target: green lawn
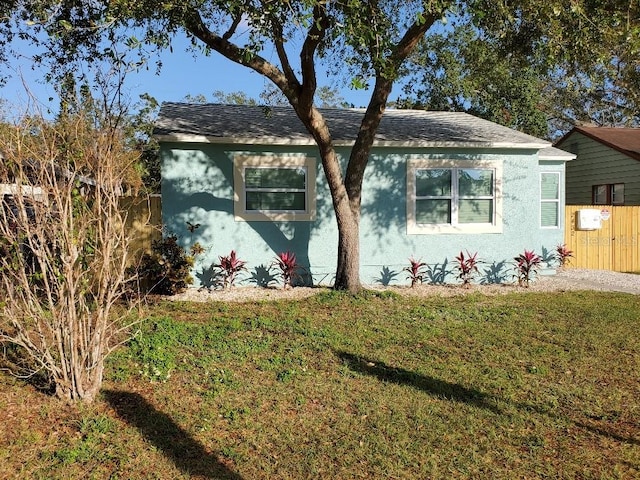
point(528, 385)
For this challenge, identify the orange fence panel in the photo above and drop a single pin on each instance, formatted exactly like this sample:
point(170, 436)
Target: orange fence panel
point(614, 246)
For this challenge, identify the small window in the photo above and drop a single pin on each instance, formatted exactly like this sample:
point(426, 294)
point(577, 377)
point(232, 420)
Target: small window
point(608, 194)
point(550, 200)
point(600, 194)
point(617, 193)
point(453, 197)
point(274, 188)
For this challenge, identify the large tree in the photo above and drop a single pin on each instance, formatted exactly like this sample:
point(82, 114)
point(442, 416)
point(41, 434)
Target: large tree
point(457, 70)
point(367, 41)
point(535, 90)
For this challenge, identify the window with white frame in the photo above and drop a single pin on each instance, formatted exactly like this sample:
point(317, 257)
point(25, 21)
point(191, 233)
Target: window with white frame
point(274, 188)
point(447, 196)
point(550, 199)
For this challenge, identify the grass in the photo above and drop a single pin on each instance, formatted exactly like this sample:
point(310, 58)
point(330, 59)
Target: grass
point(530, 385)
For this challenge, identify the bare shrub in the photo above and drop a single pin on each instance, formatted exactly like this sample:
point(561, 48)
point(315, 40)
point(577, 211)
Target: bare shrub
point(64, 249)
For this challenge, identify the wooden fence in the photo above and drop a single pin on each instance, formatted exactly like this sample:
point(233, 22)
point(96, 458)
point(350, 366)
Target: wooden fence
point(612, 247)
point(144, 221)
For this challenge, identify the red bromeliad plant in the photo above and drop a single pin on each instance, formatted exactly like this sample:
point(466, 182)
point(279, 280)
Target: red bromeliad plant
point(527, 265)
point(467, 267)
point(563, 254)
point(288, 265)
point(229, 268)
point(416, 271)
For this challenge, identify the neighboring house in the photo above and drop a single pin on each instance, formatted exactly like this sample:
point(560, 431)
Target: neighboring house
point(437, 183)
point(606, 170)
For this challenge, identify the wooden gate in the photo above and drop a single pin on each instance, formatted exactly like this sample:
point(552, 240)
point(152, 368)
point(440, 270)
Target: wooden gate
point(612, 247)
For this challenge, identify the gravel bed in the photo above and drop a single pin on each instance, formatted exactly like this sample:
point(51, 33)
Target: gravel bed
point(604, 280)
point(564, 280)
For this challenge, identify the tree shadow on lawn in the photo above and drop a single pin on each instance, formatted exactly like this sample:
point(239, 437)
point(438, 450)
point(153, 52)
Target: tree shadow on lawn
point(607, 433)
point(458, 393)
point(187, 454)
point(430, 385)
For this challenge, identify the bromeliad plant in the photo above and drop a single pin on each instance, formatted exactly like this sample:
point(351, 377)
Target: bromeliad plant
point(467, 267)
point(527, 265)
point(288, 266)
point(562, 254)
point(229, 267)
point(416, 271)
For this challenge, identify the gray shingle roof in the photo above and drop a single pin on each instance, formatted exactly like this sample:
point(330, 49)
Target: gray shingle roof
point(250, 124)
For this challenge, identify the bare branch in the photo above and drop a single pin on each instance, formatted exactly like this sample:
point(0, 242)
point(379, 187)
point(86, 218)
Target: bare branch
point(414, 33)
point(63, 249)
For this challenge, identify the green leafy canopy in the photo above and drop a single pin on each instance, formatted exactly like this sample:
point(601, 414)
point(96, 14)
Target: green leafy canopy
point(492, 58)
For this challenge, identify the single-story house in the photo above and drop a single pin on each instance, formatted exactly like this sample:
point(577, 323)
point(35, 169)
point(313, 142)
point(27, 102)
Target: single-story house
point(606, 170)
point(437, 183)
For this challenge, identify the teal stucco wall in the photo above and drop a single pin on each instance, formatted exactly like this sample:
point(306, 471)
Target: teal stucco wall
point(197, 187)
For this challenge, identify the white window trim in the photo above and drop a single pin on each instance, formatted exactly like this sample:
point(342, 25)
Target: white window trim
point(240, 162)
point(557, 201)
point(413, 228)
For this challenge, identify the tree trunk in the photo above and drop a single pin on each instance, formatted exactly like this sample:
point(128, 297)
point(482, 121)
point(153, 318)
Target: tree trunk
point(83, 382)
point(346, 210)
point(348, 269)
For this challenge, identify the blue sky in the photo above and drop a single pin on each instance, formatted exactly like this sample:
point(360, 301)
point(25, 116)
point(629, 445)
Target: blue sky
point(182, 74)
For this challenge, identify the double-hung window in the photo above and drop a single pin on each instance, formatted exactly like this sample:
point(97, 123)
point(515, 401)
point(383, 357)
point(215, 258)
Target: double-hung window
point(550, 199)
point(274, 188)
point(454, 197)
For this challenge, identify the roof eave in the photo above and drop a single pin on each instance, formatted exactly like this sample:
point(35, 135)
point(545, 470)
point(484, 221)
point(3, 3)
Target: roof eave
point(556, 158)
point(191, 138)
point(595, 138)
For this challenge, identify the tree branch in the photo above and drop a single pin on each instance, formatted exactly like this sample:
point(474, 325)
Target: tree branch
point(377, 104)
point(412, 36)
point(315, 35)
point(232, 29)
point(194, 25)
point(278, 40)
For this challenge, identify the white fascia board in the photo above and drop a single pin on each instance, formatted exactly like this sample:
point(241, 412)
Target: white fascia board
point(556, 158)
point(190, 138)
